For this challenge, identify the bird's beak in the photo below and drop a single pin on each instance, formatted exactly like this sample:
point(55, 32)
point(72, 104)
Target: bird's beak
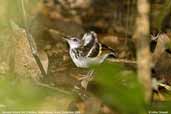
point(65, 38)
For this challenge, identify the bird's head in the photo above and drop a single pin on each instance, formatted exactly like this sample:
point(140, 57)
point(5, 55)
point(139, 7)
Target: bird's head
point(73, 42)
point(155, 37)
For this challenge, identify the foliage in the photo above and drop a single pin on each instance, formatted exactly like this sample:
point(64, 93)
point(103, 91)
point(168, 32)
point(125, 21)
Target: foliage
point(120, 89)
point(23, 94)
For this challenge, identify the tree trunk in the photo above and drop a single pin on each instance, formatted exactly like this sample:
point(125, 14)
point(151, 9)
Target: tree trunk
point(143, 54)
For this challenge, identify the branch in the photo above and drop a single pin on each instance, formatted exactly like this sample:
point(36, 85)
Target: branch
point(122, 61)
point(52, 88)
point(32, 42)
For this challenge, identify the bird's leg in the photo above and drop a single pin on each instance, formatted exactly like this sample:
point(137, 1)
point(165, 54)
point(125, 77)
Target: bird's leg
point(85, 80)
point(88, 75)
point(84, 83)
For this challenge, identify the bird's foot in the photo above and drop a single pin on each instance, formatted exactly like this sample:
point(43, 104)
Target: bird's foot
point(85, 80)
point(81, 93)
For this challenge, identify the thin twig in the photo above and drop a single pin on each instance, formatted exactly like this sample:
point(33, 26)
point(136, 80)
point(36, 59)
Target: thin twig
point(32, 42)
point(122, 61)
point(52, 88)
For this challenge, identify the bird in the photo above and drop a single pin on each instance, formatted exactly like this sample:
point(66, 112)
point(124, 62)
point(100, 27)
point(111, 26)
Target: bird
point(88, 51)
point(153, 41)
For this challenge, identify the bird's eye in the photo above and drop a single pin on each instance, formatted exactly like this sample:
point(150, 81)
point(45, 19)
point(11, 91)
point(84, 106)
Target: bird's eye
point(75, 39)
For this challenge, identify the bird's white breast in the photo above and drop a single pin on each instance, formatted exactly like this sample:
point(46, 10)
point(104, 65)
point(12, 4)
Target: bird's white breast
point(85, 62)
point(78, 61)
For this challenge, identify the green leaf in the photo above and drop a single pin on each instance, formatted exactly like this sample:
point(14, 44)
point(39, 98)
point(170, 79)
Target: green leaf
point(119, 88)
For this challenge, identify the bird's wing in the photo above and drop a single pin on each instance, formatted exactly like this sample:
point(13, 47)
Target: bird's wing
point(92, 48)
point(95, 50)
point(101, 50)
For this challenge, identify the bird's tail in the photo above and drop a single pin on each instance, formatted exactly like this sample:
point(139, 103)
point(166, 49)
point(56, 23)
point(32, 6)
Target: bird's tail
point(112, 52)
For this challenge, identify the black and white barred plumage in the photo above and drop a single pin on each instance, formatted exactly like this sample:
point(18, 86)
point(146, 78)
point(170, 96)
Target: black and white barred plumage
point(88, 51)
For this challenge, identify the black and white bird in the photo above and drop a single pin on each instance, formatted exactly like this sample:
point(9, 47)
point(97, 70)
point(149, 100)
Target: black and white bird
point(88, 50)
point(153, 41)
